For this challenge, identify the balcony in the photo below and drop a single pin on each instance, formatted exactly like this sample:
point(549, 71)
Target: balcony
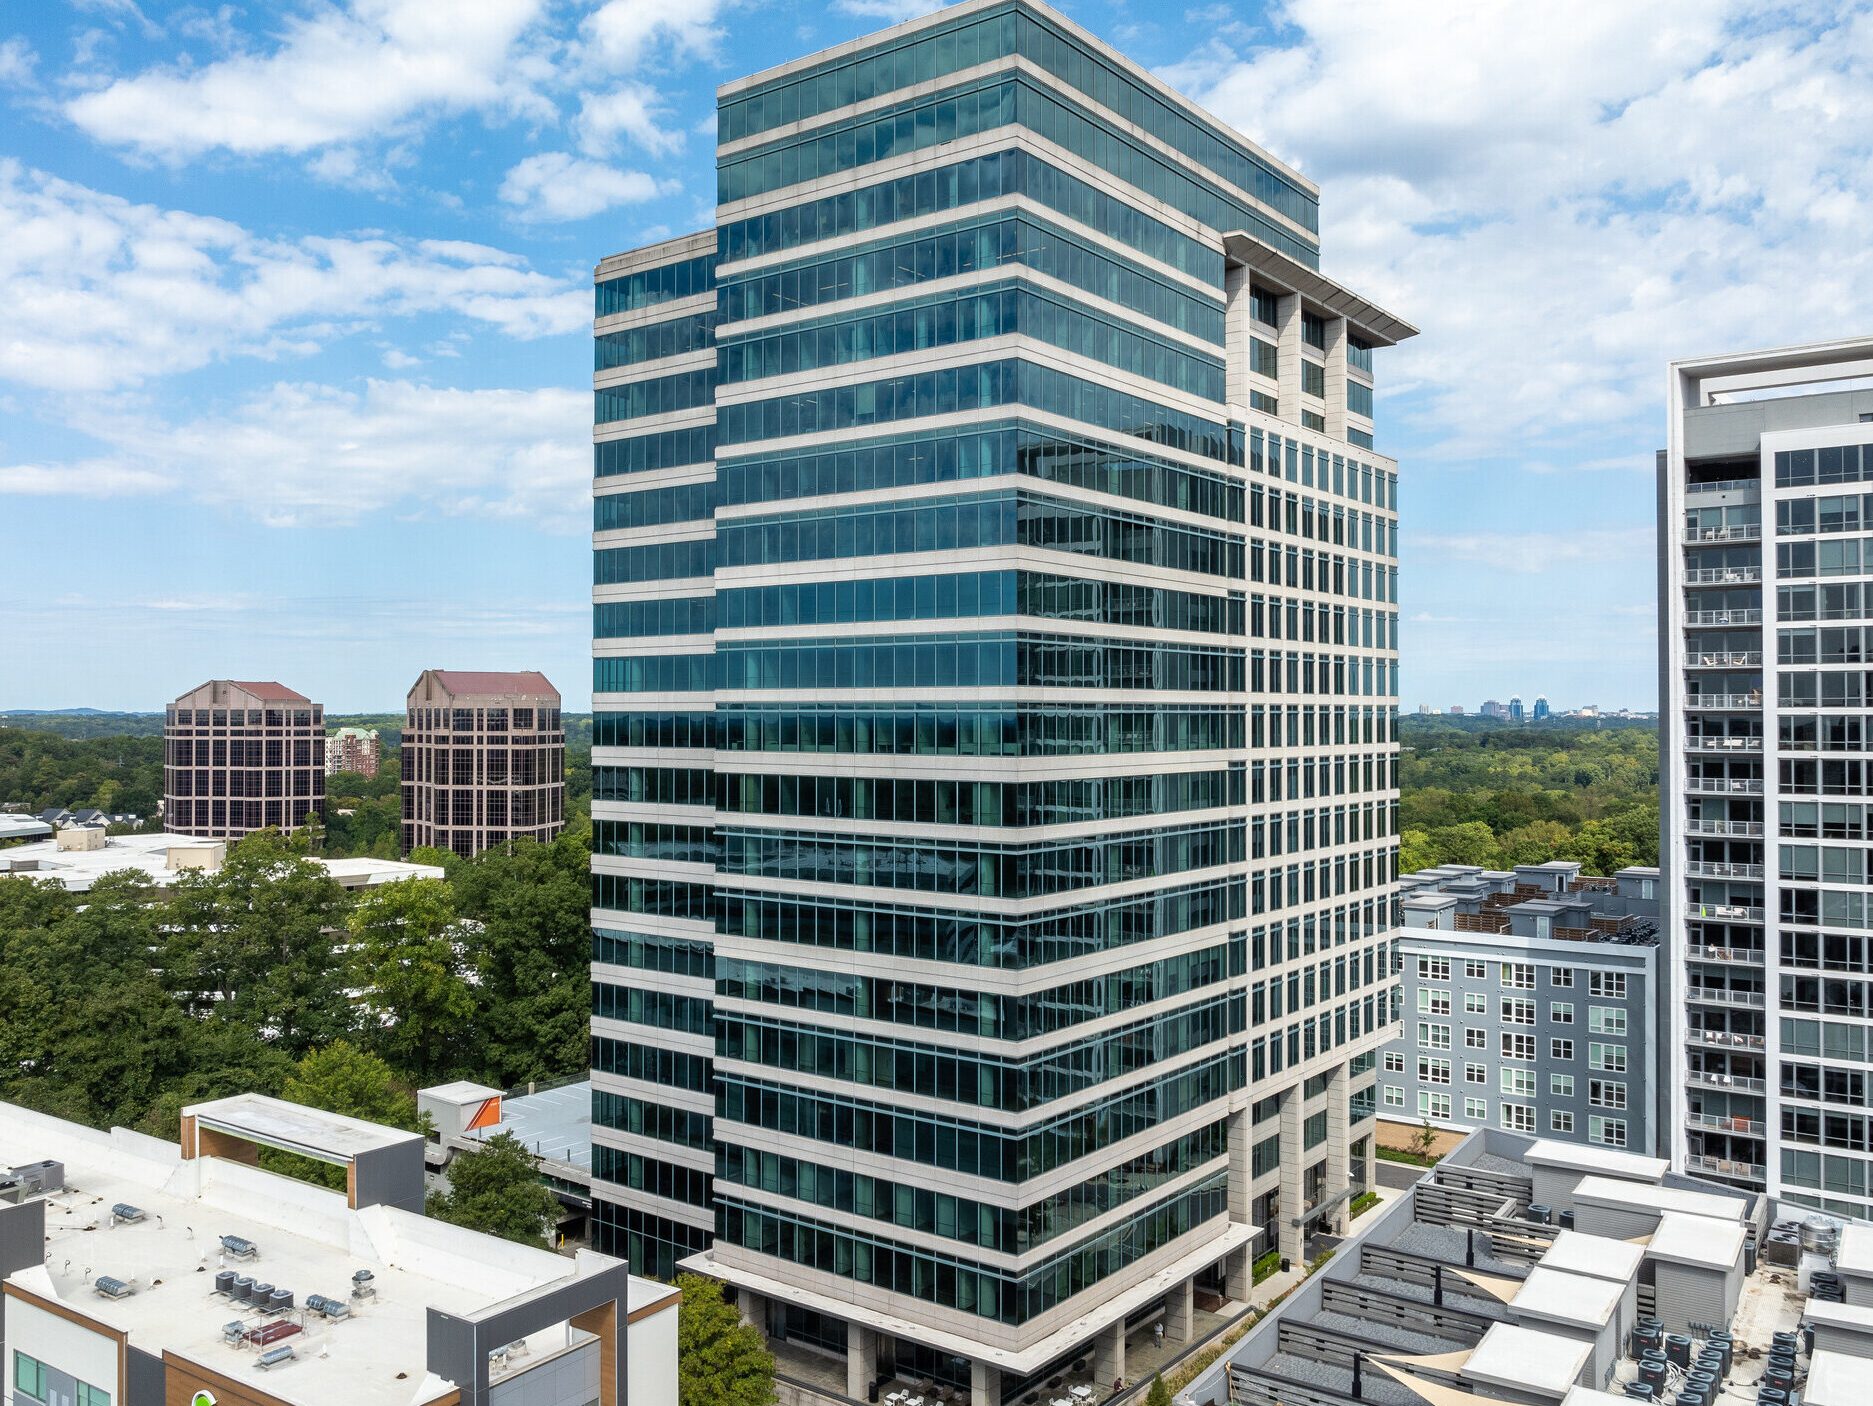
point(1724, 996)
point(1727, 1039)
point(1728, 485)
point(1726, 912)
point(1725, 659)
point(1751, 615)
point(1713, 1123)
point(1727, 702)
point(1724, 786)
point(1739, 956)
point(1722, 575)
point(1724, 1167)
point(1696, 743)
point(1737, 532)
point(1745, 829)
point(1702, 869)
point(1734, 1083)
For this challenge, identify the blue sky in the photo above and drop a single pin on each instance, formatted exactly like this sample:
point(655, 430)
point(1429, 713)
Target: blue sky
point(294, 301)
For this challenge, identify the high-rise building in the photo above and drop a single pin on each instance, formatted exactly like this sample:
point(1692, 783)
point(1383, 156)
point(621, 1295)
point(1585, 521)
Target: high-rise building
point(356, 749)
point(1496, 710)
point(1764, 598)
point(484, 760)
point(1542, 712)
point(239, 756)
point(995, 711)
point(1516, 712)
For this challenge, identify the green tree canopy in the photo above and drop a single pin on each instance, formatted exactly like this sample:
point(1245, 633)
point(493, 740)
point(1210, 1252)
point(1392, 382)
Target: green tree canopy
point(497, 1190)
point(721, 1361)
point(406, 961)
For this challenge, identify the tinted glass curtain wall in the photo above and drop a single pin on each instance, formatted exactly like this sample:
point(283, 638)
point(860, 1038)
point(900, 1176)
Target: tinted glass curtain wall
point(988, 697)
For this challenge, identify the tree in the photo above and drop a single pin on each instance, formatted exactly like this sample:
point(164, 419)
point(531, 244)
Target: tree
point(406, 961)
point(498, 1191)
point(1424, 1139)
point(1160, 1394)
point(721, 1361)
point(341, 1078)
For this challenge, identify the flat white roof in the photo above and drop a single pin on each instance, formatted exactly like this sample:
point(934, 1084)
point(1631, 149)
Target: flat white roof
point(1857, 1317)
point(308, 1241)
point(278, 1123)
point(14, 827)
point(1596, 1161)
point(555, 1123)
point(1597, 1256)
point(461, 1091)
point(1593, 1396)
point(1696, 1240)
point(1856, 1250)
point(1528, 1359)
point(1614, 1192)
point(78, 870)
point(1568, 1298)
point(1834, 1379)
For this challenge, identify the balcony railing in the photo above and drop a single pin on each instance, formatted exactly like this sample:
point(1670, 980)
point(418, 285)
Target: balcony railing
point(1703, 869)
point(1748, 829)
point(1724, 996)
point(1729, 702)
point(1728, 485)
point(1715, 1123)
point(1727, 912)
point(1722, 575)
point(1736, 532)
point(1751, 615)
point(1729, 1039)
point(1724, 659)
point(1696, 743)
point(1725, 1167)
point(1735, 1083)
point(1724, 785)
point(1742, 956)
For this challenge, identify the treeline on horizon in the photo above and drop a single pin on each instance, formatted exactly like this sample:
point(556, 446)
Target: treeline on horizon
point(1497, 795)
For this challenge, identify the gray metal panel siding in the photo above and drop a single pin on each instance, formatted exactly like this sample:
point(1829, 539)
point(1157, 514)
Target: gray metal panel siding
point(147, 1379)
point(392, 1176)
point(1688, 1294)
point(571, 1379)
point(22, 1245)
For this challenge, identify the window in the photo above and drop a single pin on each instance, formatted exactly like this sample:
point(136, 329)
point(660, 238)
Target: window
point(1606, 1020)
point(1518, 976)
point(1476, 1073)
point(1561, 1012)
point(1611, 1131)
point(1518, 1010)
point(1394, 1096)
point(1517, 1046)
point(1561, 1049)
point(1433, 1070)
point(91, 1396)
point(1560, 1121)
point(1561, 976)
point(29, 1376)
point(1518, 1117)
point(1475, 1003)
point(1611, 1058)
point(1433, 1002)
point(1432, 1036)
point(1560, 1085)
point(1432, 1105)
point(1394, 1062)
point(1520, 1082)
point(1476, 1039)
point(1476, 1109)
point(1609, 984)
point(1475, 970)
point(1606, 1093)
point(1434, 968)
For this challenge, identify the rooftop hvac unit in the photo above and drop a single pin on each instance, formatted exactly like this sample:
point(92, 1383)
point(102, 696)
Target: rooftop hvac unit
point(234, 1334)
point(327, 1307)
point(243, 1289)
point(127, 1213)
point(114, 1288)
point(362, 1286)
point(240, 1247)
point(39, 1178)
point(224, 1281)
point(273, 1357)
point(279, 1300)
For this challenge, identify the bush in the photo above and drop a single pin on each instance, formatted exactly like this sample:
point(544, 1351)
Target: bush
point(1365, 1201)
point(1266, 1264)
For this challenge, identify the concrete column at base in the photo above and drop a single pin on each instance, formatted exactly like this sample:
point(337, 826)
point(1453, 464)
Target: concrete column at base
point(985, 1384)
point(1293, 1176)
point(1239, 1273)
point(1241, 1203)
point(1109, 1357)
point(861, 1360)
point(753, 1308)
point(1180, 1312)
point(1339, 1145)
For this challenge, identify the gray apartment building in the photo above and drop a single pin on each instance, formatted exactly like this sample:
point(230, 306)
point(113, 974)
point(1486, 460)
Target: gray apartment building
point(994, 693)
point(241, 755)
point(1528, 1003)
point(1766, 601)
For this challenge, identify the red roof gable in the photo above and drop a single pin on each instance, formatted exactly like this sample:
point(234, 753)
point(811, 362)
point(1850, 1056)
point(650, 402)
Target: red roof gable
point(271, 690)
point(465, 681)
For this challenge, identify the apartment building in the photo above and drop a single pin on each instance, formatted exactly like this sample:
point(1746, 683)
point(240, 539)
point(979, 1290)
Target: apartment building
point(1528, 1001)
point(484, 760)
point(140, 1272)
point(1765, 504)
point(239, 756)
point(356, 749)
point(995, 687)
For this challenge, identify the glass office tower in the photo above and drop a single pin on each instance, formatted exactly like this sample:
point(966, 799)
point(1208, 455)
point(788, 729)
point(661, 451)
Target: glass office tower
point(1765, 597)
point(995, 677)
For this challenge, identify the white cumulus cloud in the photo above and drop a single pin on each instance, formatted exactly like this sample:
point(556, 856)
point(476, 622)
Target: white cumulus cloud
point(555, 185)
